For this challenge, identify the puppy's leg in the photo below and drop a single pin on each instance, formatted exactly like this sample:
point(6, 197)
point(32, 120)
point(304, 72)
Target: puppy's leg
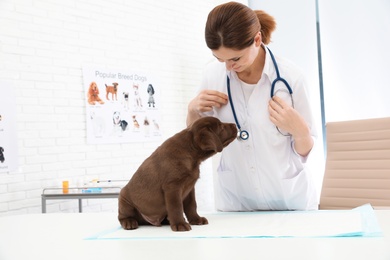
point(174, 203)
point(127, 214)
point(190, 206)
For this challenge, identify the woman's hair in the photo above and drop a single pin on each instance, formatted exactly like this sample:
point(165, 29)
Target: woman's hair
point(234, 25)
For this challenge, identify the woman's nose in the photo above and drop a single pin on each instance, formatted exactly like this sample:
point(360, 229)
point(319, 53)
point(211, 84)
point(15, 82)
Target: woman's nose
point(229, 64)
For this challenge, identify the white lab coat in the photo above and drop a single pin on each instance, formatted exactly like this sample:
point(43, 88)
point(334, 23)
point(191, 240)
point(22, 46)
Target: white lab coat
point(263, 172)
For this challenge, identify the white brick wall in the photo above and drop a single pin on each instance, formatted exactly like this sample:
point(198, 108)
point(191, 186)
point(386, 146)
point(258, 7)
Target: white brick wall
point(43, 46)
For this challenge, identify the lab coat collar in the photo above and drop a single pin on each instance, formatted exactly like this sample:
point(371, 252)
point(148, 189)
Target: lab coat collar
point(269, 68)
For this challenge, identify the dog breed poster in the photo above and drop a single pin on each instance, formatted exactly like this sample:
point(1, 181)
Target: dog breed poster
point(122, 106)
point(8, 138)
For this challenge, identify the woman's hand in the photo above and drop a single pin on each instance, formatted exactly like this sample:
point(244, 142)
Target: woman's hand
point(204, 102)
point(207, 99)
point(286, 118)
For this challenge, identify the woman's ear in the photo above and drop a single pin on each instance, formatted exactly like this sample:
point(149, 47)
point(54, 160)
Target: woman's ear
point(258, 39)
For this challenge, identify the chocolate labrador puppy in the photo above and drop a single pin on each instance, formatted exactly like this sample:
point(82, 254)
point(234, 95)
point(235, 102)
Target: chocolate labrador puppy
point(163, 187)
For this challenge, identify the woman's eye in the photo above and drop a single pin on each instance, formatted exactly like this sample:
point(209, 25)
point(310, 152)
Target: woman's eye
point(234, 60)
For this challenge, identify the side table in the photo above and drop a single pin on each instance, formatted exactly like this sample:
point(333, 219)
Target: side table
point(80, 194)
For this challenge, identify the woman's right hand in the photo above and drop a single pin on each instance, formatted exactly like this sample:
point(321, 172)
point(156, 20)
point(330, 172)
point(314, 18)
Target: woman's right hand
point(207, 99)
point(204, 102)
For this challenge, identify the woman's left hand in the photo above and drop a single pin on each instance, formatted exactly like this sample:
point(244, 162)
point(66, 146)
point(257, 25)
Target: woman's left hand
point(287, 119)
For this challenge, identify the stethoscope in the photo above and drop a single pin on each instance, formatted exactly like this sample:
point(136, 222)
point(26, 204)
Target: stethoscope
point(243, 134)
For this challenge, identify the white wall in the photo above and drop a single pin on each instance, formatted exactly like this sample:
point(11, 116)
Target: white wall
point(43, 45)
point(355, 38)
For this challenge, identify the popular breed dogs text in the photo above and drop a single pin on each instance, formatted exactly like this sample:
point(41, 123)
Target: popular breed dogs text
point(162, 189)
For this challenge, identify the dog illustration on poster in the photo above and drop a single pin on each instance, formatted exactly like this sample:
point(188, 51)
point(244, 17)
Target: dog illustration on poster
point(126, 100)
point(93, 94)
point(98, 124)
point(137, 97)
point(2, 157)
point(119, 125)
point(151, 92)
point(113, 90)
point(135, 123)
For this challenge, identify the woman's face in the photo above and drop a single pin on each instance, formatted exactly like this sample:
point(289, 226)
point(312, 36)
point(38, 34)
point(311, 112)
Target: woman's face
point(238, 60)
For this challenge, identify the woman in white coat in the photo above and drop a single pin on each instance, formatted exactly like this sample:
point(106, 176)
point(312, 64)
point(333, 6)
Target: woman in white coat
point(267, 171)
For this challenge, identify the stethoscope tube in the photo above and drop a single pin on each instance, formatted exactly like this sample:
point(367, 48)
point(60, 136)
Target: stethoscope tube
point(243, 134)
point(278, 78)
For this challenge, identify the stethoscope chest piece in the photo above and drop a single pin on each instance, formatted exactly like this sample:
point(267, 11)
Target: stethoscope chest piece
point(242, 135)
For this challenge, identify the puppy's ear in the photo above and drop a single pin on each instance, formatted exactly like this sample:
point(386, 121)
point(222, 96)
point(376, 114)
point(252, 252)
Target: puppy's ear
point(207, 140)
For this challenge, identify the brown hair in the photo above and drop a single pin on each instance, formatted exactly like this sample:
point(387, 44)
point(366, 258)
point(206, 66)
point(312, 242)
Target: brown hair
point(234, 25)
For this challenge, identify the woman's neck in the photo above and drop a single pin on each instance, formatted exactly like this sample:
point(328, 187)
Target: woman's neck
point(253, 74)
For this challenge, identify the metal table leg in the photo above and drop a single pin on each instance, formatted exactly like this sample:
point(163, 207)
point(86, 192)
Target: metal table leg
point(43, 204)
point(80, 206)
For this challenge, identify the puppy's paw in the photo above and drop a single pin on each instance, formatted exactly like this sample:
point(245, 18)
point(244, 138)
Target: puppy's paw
point(181, 227)
point(199, 221)
point(129, 223)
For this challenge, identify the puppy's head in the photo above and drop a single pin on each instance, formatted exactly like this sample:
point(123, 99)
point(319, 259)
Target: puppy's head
point(211, 135)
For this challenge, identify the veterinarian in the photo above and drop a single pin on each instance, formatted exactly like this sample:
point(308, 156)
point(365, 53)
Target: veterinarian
point(265, 169)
